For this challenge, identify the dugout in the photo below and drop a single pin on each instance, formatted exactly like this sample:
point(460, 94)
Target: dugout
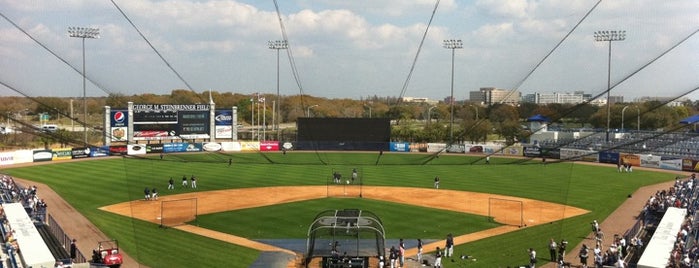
point(355, 233)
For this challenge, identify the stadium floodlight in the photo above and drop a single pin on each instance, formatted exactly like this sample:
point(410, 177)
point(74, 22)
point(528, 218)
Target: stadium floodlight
point(83, 33)
point(609, 37)
point(308, 110)
point(452, 44)
point(278, 45)
point(368, 106)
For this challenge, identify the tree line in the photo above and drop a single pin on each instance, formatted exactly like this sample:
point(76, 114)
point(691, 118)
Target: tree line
point(413, 122)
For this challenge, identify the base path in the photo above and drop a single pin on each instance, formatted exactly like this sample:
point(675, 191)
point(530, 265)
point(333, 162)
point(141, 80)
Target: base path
point(530, 212)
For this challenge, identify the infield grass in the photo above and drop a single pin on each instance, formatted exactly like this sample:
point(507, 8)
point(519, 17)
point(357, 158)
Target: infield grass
point(88, 185)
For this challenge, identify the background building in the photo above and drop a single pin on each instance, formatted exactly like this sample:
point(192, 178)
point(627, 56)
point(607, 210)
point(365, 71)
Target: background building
point(546, 98)
point(490, 95)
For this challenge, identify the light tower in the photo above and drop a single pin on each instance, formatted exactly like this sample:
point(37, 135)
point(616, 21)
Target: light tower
point(83, 33)
point(453, 45)
point(278, 45)
point(609, 36)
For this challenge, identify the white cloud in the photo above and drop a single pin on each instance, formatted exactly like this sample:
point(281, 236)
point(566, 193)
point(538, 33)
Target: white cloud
point(513, 9)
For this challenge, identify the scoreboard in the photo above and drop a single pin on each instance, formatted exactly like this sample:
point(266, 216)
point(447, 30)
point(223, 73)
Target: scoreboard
point(171, 121)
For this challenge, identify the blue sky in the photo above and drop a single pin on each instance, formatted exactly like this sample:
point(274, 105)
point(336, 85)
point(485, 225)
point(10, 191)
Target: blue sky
point(350, 49)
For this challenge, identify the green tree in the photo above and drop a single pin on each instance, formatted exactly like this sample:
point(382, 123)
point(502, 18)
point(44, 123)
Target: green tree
point(511, 130)
point(117, 101)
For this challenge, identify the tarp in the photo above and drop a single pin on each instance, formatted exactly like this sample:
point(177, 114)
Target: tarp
point(690, 120)
point(538, 118)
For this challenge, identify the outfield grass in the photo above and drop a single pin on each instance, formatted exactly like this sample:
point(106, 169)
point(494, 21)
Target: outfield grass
point(88, 185)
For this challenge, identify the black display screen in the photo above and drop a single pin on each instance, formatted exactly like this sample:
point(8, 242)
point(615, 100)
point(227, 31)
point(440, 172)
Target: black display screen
point(344, 129)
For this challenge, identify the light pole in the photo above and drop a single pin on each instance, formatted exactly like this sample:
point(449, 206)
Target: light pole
point(638, 118)
point(475, 108)
point(84, 32)
point(453, 45)
point(429, 115)
point(622, 117)
point(609, 36)
point(308, 110)
point(252, 118)
point(278, 45)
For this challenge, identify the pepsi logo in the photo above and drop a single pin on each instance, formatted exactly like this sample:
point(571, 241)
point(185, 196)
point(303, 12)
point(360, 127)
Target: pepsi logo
point(119, 117)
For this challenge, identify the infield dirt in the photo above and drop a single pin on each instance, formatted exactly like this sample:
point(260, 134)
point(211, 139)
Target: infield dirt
point(531, 212)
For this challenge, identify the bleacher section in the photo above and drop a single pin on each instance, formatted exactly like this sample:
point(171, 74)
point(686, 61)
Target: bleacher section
point(28, 239)
point(668, 145)
point(667, 231)
point(659, 249)
point(34, 252)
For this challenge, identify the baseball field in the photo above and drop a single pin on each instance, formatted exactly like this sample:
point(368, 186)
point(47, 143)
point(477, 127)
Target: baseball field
point(496, 210)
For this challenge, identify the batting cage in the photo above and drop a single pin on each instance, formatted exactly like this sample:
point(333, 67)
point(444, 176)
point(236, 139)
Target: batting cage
point(345, 238)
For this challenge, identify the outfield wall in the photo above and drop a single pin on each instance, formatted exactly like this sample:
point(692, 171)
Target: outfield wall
point(640, 160)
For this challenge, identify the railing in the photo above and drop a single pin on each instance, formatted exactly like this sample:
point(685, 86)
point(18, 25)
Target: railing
point(65, 240)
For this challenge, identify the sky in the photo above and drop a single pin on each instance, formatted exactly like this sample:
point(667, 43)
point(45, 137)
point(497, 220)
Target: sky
point(349, 49)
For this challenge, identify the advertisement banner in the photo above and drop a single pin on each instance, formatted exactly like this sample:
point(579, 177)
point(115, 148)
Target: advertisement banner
point(690, 165)
point(224, 132)
point(119, 118)
point(671, 164)
point(223, 118)
point(231, 146)
point(99, 151)
point(418, 147)
point(579, 155)
point(179, 147)
point(631, 159)
point(7, 159)
point(154, 148)
point(135, 149)
point(62, 154)
point(118, 150)
point(119, 133)
point(119, 125)
point(286, 146)
point(436, 147)
point(456, 148)
point(167, 134)
point(609, 157)
point(269, 145)
point(472, 148)
point(515, 150)
point(651, 161)
point(399, 147)
point(24, 156)
point(492, 149)
point(250, 146)
point(42, 155)
point(80, 152)
point(553, 153)
point(211, 147)
point(532, 151)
